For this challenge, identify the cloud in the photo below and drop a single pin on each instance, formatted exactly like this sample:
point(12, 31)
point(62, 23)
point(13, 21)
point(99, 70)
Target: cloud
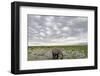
point(65, 28)
point(50, 29)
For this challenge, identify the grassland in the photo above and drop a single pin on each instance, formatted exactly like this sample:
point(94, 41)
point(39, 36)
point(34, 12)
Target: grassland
point(69, 52)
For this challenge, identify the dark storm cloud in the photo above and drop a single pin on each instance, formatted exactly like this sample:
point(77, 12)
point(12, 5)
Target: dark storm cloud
point(42, 28)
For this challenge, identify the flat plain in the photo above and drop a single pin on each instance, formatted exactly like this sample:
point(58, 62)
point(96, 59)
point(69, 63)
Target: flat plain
point(69, 52)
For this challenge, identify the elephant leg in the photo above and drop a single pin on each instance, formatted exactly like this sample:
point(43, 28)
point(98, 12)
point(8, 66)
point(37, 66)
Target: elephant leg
point(54, 56)
point(57, 56)
point(60, 56)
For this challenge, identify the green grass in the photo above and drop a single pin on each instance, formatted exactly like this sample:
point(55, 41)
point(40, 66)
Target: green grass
point(69, 51)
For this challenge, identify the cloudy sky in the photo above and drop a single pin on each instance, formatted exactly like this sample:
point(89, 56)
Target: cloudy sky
point(57, 29)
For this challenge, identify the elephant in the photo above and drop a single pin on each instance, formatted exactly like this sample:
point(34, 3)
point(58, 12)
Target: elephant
point(57, 54)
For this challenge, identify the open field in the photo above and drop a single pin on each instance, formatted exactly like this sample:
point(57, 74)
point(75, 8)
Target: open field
point(69, 52)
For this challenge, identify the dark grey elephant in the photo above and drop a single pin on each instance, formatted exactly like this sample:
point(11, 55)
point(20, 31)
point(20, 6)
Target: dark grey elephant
point(57, 54)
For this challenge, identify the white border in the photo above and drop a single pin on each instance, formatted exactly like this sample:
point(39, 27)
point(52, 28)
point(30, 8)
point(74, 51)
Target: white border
point(26, 65)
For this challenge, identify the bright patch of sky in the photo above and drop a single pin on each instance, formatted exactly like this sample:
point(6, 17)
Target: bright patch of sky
point(49, 29)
